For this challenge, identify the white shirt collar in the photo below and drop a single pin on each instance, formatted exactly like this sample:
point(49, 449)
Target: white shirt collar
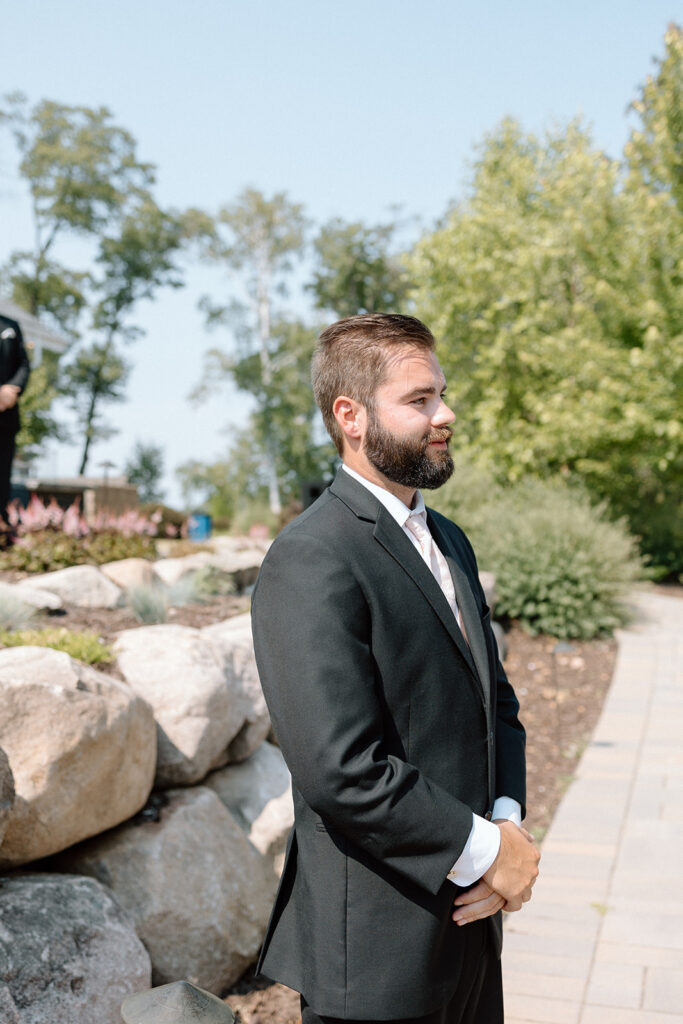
point(394, 506)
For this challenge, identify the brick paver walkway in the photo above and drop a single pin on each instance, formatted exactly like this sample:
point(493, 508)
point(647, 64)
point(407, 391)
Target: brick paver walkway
point(602, 940)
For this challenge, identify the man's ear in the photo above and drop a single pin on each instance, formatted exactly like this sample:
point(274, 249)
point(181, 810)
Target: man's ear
point(351, 417)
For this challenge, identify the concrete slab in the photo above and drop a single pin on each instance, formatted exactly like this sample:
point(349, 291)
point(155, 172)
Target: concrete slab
point(663, 988)
point(602, 940)
point(616, 985)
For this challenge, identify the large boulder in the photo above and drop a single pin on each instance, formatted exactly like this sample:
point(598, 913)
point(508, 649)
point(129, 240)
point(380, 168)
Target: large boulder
point(240, 558)
point(172, 570)
point(68, 953)
point(233, 642)
point(82, 585)
point(198, 892)
point(131, 572)
point(181, 675)
point(82, 747)
point(6, 793)
point(258, 794)
point(28, 594)
point(237, 558)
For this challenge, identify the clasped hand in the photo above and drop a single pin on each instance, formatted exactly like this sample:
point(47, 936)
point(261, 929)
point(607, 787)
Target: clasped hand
point(8, 396)
point(508, 882)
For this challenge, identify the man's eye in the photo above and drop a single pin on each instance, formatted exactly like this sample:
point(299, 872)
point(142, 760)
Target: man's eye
point(419, 401)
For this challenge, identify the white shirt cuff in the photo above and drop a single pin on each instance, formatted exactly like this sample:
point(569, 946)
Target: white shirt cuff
point(483, 843)
point(506, 807)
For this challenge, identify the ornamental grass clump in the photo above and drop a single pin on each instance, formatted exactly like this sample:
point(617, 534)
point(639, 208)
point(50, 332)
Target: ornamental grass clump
point(149, 603)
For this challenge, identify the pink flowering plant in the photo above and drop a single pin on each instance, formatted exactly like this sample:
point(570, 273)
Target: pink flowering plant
point(51, 537)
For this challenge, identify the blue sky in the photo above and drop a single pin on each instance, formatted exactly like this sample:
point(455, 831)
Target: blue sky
point(349, 107)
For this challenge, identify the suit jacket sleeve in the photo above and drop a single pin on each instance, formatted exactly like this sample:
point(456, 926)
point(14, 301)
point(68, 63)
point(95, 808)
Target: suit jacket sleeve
point(312, 635)
point(21, 368)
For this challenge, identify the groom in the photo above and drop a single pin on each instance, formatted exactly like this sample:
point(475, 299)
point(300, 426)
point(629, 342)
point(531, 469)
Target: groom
point(375, 651)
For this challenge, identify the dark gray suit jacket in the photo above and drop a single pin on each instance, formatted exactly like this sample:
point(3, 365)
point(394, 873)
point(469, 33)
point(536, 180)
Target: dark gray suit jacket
point(394, 731)
point(14, 369)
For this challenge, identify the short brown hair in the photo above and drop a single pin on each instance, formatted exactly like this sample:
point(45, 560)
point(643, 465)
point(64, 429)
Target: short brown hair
point(352, 356)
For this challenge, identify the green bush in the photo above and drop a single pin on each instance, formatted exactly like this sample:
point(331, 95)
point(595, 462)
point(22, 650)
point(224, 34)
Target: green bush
point(85, 647)
point(169, 516)
point(46, 550)
point(562, 567)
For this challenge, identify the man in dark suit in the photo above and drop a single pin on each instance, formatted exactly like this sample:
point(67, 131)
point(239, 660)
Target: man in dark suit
point(376, 655)
point(14, 373)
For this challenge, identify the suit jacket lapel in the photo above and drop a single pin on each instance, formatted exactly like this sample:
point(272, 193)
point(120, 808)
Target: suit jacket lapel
point(392, 538)
point(467, 605)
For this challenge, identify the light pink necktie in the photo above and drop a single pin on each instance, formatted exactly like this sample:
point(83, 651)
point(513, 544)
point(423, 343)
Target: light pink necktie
point(434, 558)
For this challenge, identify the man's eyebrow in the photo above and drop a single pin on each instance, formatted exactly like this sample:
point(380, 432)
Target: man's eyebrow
point(428, 389)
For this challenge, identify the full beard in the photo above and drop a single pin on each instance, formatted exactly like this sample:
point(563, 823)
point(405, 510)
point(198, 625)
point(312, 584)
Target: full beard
point(407, 461)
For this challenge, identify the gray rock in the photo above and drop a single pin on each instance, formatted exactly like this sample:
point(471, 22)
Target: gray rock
point(181, 675)
point(198, 892)
point(68, 953)
point(82, 585)
point(172, 570)
point(258, 794)
point(130, 572)
point(488, 584)
point(6, 793)
point(233, 643)
point(31, 595)
point(177, 1003)
point(82, 747)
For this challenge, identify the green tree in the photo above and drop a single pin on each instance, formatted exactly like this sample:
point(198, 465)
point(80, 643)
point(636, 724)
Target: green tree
point(37, 422)
point(132, 264)
point(86, 180)
point(97, 375)
point(259, 238)
point(654, 152)
point(145, 468)
point(358, 269)
point(80, 169)
point(562, 348)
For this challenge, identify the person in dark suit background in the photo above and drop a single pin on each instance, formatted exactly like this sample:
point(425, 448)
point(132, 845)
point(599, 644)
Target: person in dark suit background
point(377, 659)
point(14, 374)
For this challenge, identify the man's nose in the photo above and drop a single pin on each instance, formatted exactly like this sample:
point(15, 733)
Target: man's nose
point(443, 415)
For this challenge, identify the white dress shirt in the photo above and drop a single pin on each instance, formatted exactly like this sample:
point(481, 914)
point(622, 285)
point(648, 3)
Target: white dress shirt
point(483, 843)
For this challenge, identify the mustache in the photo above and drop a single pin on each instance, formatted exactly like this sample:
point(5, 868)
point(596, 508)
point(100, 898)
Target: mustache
point(444, 434)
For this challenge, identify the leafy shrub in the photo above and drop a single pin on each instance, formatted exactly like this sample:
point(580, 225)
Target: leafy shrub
point(170, 521)
point(47, 550)
point(562, 567)
point(14, 613)
point(87, 647)
point(110, 547)
point(50, 537)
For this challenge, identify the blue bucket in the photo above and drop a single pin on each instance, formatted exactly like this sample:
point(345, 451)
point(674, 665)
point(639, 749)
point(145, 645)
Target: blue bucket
point(199, 527)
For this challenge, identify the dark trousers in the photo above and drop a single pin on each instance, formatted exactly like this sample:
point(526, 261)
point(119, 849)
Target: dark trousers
point(7, 446)
point(478, 997)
